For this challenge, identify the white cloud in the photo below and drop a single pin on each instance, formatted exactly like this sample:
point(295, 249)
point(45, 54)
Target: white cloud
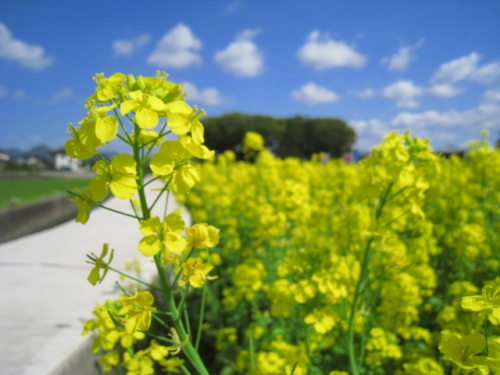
point(176, 49)
point(209, 96)
point(398, 61)
point(127, 47)
point(59, 96)
point(456, 70)
point(313, 94)
point(321, 52)
point(232, 7)
point(452, 126)
point(366, 93)
point(401, 59)
point(369, 132)
point(444, 90)
point(404, 93)
point(487, 74)
point(484, 116)
point(491, 96)
point(242, 57)
point(19, 94)
point(29, 56)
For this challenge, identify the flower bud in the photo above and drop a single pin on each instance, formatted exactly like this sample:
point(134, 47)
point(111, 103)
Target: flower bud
point(130, 82)
point(141, 83)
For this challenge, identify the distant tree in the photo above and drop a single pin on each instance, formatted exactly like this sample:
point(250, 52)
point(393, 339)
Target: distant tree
point(227, 131)
point(296, 136)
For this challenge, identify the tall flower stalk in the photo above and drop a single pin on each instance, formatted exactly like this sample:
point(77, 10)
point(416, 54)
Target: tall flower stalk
point(130, 109)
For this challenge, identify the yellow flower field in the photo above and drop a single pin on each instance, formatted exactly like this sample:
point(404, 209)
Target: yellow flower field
point(389, 266)
point(361, 268)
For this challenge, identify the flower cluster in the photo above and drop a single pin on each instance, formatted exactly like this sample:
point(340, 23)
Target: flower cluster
point(360, 268)
point(142, 112)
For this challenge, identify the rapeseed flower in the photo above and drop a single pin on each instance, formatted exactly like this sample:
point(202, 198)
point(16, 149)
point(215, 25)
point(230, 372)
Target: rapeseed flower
point(107, 88)
point(146, 109)
point(182, 119)
point(464, 351)
point(162, 236)
point(84, 143)
point(120, 176)
point(172, 163)
point(139, 311)
point(202, 236)
point(195, 272)
point(99, 262)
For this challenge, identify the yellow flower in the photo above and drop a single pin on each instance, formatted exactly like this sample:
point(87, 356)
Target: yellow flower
point(197, 150)
point(202, 236)
point(321, 320)
point(120, 176)
point(146, 108)
point(303, 291)
point(99, 262)
point(172, 364)
point(162, 236)
point(106, 127)
point(84, 143)
point(140, 311)
point(157, 351)
point(253, 141)
point(109, 360)
point(149, 138)
point(183, 119)
point(489, 301)
point(138, 364)
point(177, 344)
point(84, 203)
point(173, 161)
point(107, 88)
point(195, 272)
point(463, 351)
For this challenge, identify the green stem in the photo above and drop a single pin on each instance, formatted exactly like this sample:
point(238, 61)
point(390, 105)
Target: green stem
point(252, 354)
point(160, 194)
point(161, 338)
point(160, 321)
point(135, 210)
point(188, 349)
point(166, 206)
point(185, 370)
point(183, 299)
point(350, 346)
point(123, 127)
point(118, 212)
point(188, 325)
point(200, 321)
point(152, 180)
point(361, 281)
point(133, 278)
point(123, 139)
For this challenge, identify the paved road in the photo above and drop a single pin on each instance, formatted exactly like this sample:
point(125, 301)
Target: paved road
point(44, 292)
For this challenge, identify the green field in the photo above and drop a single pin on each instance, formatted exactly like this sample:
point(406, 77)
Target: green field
point(18, 192)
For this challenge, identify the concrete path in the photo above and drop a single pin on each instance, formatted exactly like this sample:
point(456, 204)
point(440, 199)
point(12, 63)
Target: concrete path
point(44, 292)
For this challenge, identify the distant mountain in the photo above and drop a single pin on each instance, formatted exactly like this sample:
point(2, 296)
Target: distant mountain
point(15, 153)
point(42, 153)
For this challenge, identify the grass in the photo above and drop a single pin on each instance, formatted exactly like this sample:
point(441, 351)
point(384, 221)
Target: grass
point(18, 192)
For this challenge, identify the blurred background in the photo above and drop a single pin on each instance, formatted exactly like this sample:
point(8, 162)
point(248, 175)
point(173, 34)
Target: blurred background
point(429, 67)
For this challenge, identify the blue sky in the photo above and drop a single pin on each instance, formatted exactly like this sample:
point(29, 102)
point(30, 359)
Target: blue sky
point(432, 67)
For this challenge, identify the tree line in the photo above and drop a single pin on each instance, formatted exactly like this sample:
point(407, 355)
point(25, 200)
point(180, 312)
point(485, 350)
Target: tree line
point(295, 136)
